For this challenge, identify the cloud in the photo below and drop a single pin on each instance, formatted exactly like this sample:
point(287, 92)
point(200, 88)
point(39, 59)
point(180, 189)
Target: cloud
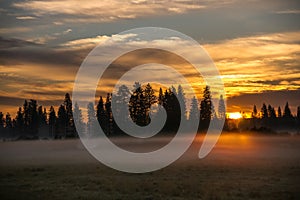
point(84, 43)
point(254, 64)
point(288, 12)
point(25, 17)
point(110, 10)
point(245, 102)
point(13, 30)
point(67, 31)
point(6, 43)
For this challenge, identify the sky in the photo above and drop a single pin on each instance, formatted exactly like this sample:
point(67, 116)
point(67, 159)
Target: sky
point(254, 44)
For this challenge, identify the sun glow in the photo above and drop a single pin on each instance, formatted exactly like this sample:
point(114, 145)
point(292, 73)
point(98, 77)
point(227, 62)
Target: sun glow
point(235, 115)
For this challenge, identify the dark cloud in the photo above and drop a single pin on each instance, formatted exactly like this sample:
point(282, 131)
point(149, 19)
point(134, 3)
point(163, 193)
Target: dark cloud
point(16, 51)
point(6, 43)
point(275, 98)
point(17, 101)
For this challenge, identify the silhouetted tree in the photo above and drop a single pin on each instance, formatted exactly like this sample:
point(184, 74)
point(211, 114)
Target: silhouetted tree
point(91, 123)
point(120, 103)
point(42, 116)
point(33, 118)
point(101, 115)
point(77, 117)
point(271, 112)
point(160, 99)
point(61, 122)
point(70, 128)
point(52, 122)
point(279, 112)
point(254, 112)
point(26, 117)
point(150, 99)
point(20, 122)
point(206, 109)
point(182, 101)
point(8, 121)
point(1, 120)
point(287, 111)
point(172, 107)
point(221, 108)
point(137, 107)
point(264, 111)
point(298, 112)
point(108, 112)
point(194, 111)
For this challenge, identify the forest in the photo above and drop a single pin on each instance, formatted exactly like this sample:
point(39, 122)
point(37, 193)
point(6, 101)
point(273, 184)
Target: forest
point(34, 121)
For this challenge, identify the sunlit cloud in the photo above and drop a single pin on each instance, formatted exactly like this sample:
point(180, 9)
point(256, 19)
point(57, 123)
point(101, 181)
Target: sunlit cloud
point(87, 43)
point(14, 30)
point(25, 17)
point(288, 12)
point(110, 10)
point(256, 64)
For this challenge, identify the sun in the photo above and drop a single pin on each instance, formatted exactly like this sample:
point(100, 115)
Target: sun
point(235, 115)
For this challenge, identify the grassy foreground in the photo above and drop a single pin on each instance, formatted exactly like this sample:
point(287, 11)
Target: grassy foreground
point(239, 167)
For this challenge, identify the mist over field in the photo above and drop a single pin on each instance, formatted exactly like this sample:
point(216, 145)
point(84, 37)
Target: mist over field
point(241, 166)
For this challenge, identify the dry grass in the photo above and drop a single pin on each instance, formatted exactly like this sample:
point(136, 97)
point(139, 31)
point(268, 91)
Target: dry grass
point(239, 167)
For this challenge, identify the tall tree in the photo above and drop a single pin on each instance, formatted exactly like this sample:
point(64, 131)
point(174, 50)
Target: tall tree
point(298, 112)
point(150, 99)
point(137, 107)
point(8, 121)
point(42, 116)
point(287, 111)
point(61, 121)
point(69, 114)
point(172, 107)
point(1, 120)
point(279, 112)
point(264, 111)
point(33, 118)
point(101, 115)
point(92, 121)
point(26, 117)
point(254, 112)
point(221, 108)
point(20, 121)
point(182, 101)
point(121, 99)
point(194, 111)
point(206, 106)
point(109, 117)
point(77, 117)
point(52, 122)
point(271, 112)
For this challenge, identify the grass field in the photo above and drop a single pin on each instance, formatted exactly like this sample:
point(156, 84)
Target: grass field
point(239, 167)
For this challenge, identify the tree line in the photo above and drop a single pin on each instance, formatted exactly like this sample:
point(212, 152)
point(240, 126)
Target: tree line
point(271, 119)
point(33, 121)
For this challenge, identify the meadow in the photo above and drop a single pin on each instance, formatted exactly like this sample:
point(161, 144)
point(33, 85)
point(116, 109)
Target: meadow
point(241, 166)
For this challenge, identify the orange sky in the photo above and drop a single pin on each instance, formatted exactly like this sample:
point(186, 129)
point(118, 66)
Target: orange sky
point(257, 50)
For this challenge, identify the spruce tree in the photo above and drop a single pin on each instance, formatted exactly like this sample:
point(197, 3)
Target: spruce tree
point(194, 111)
point(287, 111)
point(264, 111)
point(101, 115)
point(77, 117)
point(279, 112)
point(62, 121)
point(182, 101)
point(91, 123)
point(221, 108)
point(52, 122)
